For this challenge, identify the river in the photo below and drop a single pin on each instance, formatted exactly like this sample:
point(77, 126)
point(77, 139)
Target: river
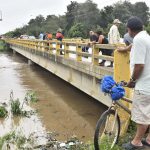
point(61, 108)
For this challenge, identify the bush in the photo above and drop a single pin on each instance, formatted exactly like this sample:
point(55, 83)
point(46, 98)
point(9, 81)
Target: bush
point(3, 112)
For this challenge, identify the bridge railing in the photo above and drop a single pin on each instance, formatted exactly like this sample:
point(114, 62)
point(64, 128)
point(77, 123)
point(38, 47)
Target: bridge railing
point(70, 49)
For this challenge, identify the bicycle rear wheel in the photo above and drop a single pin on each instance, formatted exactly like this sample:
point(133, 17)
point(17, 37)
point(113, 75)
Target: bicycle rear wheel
point(107, 130)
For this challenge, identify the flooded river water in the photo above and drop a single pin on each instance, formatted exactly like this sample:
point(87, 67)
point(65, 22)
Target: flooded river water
point(61, 108)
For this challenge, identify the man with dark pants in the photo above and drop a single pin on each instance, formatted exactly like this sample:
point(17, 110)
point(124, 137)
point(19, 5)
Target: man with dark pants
point(140, 80)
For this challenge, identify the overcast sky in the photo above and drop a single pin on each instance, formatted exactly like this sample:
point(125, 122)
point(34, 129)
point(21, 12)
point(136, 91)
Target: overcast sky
point(17, 13)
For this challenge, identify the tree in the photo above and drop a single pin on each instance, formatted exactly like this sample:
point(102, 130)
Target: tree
point(87, 14)
point(147, 28)
point(70, 14)
point(80, 18)
point(122, 11)
point(142, 10)
point(39, 20)
point(106, 16)
point(77, 31)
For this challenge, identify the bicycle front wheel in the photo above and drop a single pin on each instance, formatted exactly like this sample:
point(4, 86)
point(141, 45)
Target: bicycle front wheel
point(107, 130)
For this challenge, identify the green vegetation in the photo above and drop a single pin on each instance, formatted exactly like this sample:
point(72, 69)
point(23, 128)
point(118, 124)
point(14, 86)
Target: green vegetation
point(80, 18)
point(3, 112)
point(16, 107)
point(3, 45)
point(17, 140)
point(31, 96)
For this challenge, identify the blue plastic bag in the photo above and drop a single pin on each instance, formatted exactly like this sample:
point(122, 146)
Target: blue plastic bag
point(107, 84)
point(117, 92)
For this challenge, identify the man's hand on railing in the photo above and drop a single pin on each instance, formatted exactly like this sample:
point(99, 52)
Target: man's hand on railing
point(124, 48)
point(121, 49)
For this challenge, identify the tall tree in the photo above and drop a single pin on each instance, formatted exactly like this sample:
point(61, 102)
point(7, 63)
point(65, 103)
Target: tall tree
point(142, 10)
point(122, 11)
point(70, 14)
point(106, 16)
point(88, 14)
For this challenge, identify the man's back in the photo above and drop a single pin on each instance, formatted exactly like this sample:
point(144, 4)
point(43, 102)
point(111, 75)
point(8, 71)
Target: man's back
point(140, 54)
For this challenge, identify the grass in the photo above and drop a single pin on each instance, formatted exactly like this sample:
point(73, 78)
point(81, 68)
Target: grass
point(31, 96)
point(105, 145)
point(18, 140)
point(3, 112)
point(17, 107)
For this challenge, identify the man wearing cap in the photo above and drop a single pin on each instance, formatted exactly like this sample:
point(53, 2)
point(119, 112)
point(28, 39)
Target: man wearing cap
point(114, 35)
point(140, 81)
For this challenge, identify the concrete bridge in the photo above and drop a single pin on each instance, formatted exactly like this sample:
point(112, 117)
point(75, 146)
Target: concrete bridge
point(81, 69)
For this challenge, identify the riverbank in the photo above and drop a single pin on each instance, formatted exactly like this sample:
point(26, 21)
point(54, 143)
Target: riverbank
point(3, 45)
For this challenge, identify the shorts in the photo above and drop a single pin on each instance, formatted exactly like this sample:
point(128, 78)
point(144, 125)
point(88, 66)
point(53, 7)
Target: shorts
point(140, 112)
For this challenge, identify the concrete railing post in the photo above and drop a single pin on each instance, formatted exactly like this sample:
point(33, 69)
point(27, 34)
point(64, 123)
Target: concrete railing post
point(95, 51)
point(78, 49)
point(57, 48)
point(50, 47)
point(66, 47)
point(122, 73)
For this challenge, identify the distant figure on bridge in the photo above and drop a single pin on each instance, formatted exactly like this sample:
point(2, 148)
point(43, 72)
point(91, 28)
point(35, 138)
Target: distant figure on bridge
point(44, 36)
point(49, 36)
point(59, 37)
point(93, 37)
point(114, 35)
point(128, 40)
point(41, 36)
point(103, 40)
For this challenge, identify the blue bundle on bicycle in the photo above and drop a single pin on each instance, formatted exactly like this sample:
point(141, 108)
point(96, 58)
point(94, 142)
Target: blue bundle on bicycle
point(115, 90)
point(107, 84)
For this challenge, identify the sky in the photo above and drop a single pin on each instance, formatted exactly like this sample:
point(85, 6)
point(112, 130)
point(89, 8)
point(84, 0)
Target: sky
point(17, 13)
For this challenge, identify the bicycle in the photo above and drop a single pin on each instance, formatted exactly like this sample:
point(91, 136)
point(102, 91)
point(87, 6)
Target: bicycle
point(108, 126)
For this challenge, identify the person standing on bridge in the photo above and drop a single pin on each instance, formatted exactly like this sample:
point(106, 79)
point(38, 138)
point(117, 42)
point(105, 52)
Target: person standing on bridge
point(140, 80)
point(59, 37)
point(41, 36)
point(128, 40)
point(114, 35)
point(103, 40)
point(92, 38)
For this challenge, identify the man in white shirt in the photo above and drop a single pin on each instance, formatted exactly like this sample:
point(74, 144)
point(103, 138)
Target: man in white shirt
point(114, 35)
point(140, 80)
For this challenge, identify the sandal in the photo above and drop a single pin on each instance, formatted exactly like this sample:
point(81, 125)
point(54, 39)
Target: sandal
point(130, 146)
point(144, 142)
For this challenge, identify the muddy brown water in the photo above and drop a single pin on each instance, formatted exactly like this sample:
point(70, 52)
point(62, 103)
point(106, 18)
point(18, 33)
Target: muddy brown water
point(62, 108)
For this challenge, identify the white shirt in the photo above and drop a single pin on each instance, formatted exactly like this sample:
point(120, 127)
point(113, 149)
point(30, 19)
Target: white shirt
point(140, 54)
point(113, 35)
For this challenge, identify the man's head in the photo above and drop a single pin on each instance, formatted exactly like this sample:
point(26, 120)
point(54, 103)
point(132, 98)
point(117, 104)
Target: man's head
point(91, 33)
point(117, 22)
point(134, 25)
